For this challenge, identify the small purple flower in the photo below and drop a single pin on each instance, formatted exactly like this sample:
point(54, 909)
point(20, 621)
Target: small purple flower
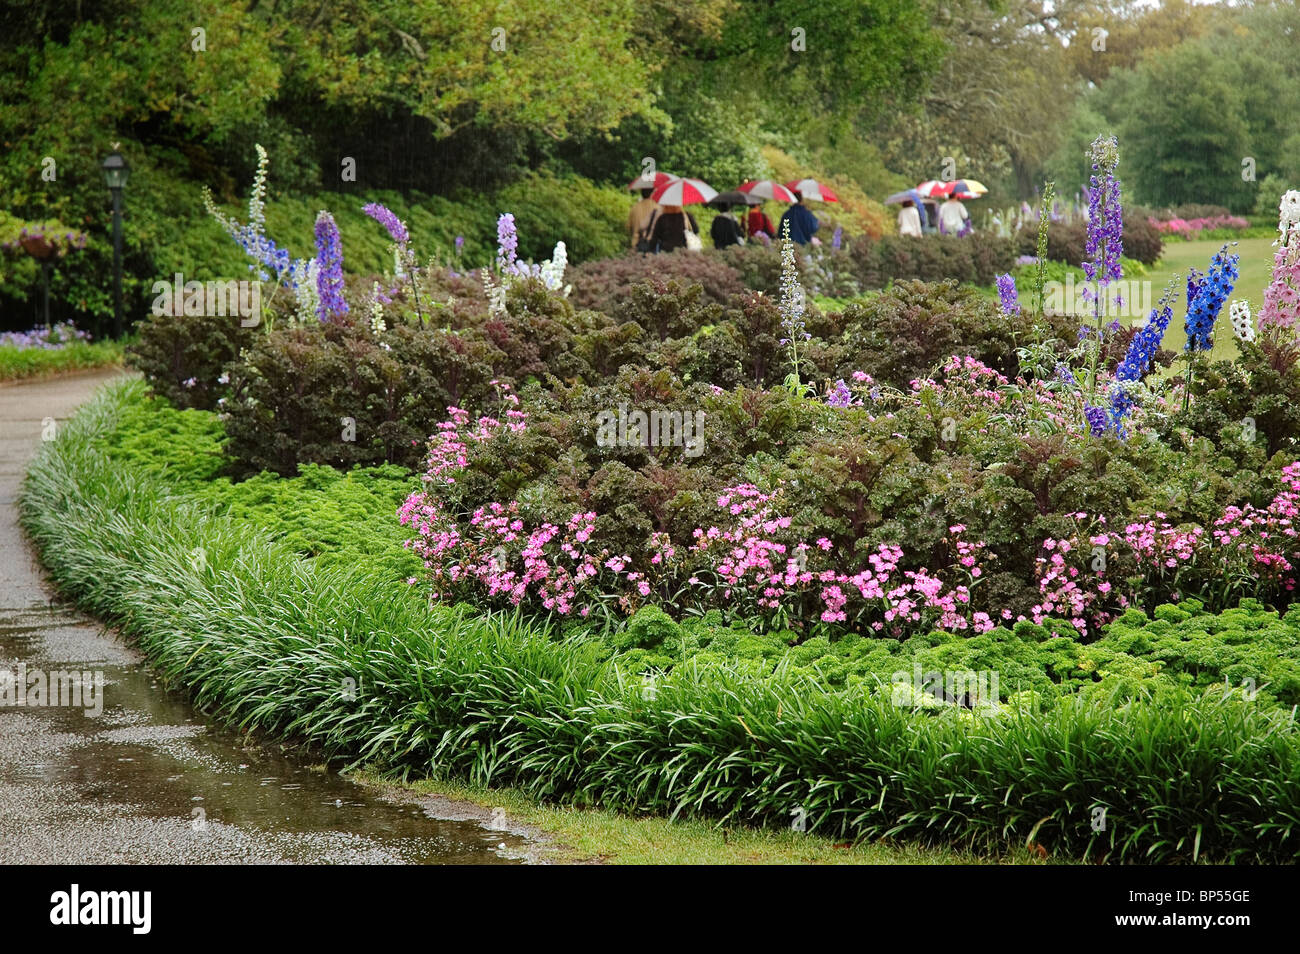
point(837, 238)
point(329, 255)
point(460, 243)
point(1066, 376)
point(839, 395)
point(1007, 294)
point(1097, 419)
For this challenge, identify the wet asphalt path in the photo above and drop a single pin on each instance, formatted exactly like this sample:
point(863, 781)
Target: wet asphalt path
point(147, 779)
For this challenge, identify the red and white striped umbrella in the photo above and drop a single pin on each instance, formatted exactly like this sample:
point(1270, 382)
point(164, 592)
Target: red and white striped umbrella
point(649, 182)
point(684, 192)
point(767, 189)
point(933, 188)
point(812, 189)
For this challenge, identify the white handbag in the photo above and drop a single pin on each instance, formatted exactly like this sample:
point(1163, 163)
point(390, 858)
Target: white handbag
point(693, 241)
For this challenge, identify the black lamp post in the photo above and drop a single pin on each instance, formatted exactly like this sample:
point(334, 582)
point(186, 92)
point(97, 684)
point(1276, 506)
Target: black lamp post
point(116, 172)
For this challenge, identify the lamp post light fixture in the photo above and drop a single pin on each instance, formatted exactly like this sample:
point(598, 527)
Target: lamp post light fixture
point(116, 172)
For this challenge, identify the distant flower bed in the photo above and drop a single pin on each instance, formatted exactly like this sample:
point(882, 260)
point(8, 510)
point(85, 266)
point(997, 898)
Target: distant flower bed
point(1192, 228)
point(46, 339)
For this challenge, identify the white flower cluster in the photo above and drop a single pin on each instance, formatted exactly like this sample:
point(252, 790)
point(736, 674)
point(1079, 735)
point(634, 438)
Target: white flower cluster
point(1242, 325)
point(1289, 215)
point(792, 293)
point(552, 272)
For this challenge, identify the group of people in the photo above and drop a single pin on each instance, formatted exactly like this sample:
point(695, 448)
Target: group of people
point(656, 228)
point(951, 218)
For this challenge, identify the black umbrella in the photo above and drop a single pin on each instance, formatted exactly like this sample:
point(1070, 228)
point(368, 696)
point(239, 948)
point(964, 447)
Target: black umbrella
point(735, 198)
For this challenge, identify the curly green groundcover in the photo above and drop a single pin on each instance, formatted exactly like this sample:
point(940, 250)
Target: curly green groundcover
point(343, 658)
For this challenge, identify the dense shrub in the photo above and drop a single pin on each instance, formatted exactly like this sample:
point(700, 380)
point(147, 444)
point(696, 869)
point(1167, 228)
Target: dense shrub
point(909, 329)
point(182, 356)
point(1251, 403)
point(589, 219)
point(332, 393)
point(978, 259)
point(1066, 243)
point(602, 285)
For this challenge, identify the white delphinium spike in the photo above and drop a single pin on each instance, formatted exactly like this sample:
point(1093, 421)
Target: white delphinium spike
point(1242, 324)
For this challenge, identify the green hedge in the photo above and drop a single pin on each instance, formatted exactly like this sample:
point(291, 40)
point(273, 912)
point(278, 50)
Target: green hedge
point(362, 668)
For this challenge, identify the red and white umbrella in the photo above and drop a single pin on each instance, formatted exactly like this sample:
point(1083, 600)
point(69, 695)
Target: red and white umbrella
point(812, 189)
point(652, 181)
point(934, 188)
point(767, 189)
point(684, 192)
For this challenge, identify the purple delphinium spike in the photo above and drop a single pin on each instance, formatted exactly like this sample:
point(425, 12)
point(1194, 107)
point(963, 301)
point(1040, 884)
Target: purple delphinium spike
point(1105, 242)
point(389, 220)
point(507, 242)
point(1007, 294)
point(329, 255)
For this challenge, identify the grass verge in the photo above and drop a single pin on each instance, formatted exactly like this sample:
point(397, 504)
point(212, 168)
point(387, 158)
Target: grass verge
point(18, 364)
point(361, 668)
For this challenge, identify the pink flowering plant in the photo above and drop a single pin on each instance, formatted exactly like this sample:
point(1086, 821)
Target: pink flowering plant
point(1097, 571)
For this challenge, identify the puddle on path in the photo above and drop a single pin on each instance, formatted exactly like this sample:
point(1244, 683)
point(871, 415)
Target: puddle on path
point(150, 779)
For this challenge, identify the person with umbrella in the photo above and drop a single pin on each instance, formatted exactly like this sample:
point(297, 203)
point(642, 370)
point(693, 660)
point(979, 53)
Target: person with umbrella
point(909, 219)
point(676, 228)
point(801, 220)
point(953, 216)
point(909, 215)
point(640, 220)
point(759, 221)
point(725, 230)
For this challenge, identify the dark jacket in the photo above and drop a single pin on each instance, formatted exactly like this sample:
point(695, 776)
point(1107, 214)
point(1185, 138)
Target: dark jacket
point(802, 224)
point(670, 231)
point(725, 231)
